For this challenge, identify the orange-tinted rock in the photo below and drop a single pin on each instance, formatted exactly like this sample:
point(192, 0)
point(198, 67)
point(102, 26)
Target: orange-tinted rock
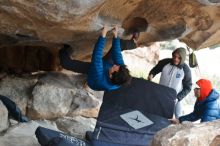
point(46, 23)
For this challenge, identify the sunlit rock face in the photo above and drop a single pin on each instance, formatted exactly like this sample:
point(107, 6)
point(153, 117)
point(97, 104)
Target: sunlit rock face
point(49, 24)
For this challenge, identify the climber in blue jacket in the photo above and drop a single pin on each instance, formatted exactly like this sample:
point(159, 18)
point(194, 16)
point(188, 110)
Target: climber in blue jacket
point(103, 73)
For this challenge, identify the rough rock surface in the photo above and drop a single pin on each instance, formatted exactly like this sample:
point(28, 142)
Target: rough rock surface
point(189, 134)
point(47, 24)
point(45, 21)
point(18, 89)
point(23, 134)
point(4, 117)
point(57, 94)
point(51, 95)
point(76, 126)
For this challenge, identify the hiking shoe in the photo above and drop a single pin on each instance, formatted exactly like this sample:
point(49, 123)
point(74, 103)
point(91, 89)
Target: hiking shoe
point(135, 35)
point(68, 49)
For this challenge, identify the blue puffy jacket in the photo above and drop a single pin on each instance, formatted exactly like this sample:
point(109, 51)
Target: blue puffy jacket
point(98, 76)
point(207, 110)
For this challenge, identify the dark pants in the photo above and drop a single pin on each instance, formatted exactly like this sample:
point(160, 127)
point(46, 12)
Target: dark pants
point(83, 67)
point(13, 109)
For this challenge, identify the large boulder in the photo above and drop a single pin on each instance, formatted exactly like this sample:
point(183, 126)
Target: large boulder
point(45, 25)
point(76, 126)
point(189, 134)
point(18, 89)
point(39, 22)
point(56, 95)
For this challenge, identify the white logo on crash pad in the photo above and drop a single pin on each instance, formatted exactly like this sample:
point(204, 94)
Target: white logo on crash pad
point(136, 119)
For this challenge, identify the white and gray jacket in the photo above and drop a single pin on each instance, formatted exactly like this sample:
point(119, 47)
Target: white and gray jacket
point(176, 77)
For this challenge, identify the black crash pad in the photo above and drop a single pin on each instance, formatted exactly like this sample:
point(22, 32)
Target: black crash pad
point(116, 132)
point(48, 137)
point(155, 101)
point(142, 95)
